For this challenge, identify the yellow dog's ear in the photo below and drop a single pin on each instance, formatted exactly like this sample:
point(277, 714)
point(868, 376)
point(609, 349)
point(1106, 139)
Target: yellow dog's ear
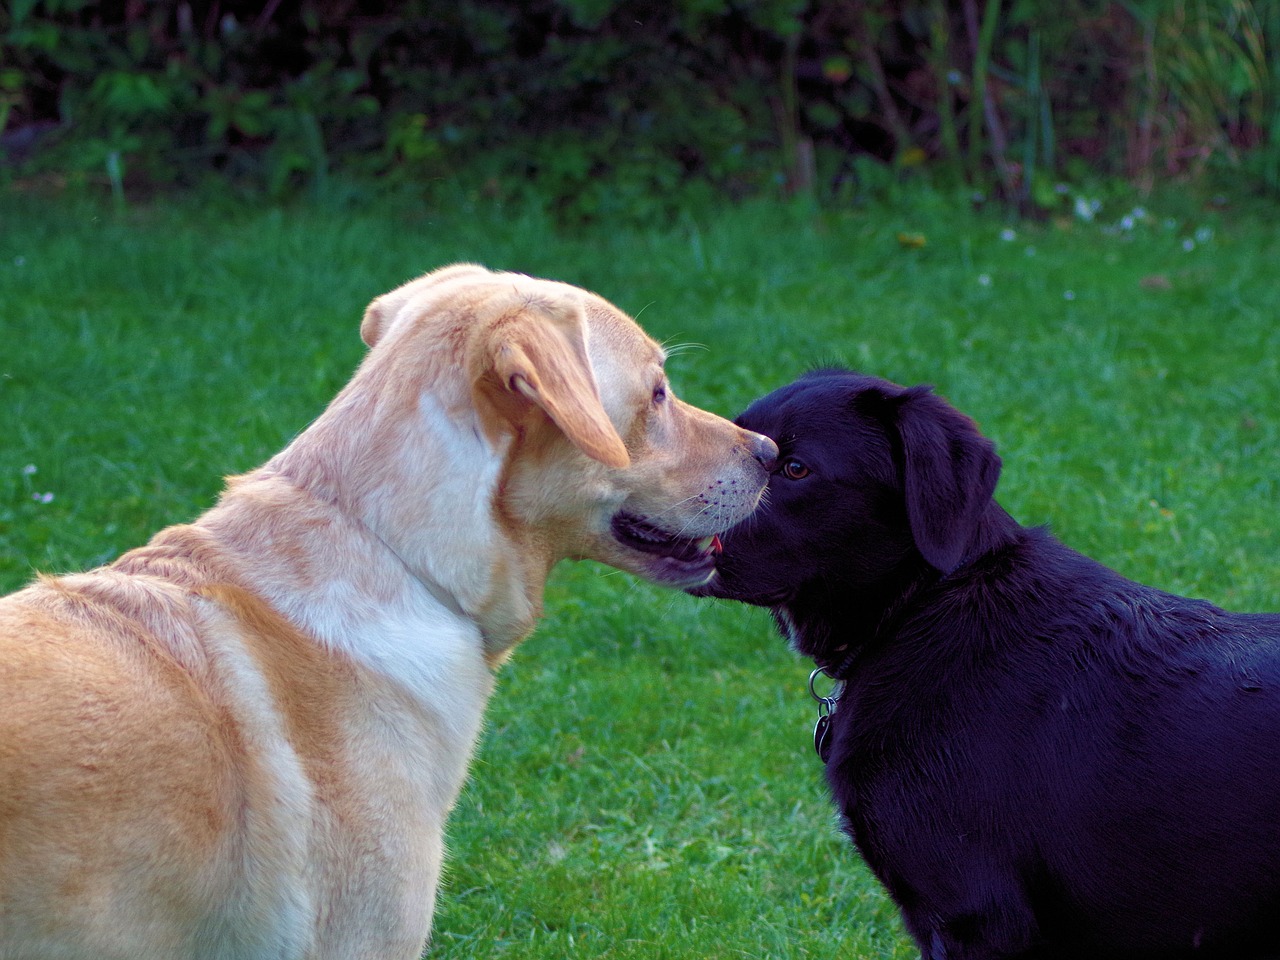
point(540, 353)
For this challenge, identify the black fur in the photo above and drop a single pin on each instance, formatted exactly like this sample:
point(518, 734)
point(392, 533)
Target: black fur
point(1038, 758)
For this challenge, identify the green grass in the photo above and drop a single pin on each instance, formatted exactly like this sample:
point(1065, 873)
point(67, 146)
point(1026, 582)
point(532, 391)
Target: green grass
point(646, 787)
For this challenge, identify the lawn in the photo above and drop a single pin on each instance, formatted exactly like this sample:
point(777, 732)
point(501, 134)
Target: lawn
point(646, 787)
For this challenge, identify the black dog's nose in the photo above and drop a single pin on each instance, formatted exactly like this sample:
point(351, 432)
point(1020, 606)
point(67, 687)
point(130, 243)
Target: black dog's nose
point(764, 450)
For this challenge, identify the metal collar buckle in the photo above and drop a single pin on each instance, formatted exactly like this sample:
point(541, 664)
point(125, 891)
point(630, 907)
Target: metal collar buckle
point(826, 709)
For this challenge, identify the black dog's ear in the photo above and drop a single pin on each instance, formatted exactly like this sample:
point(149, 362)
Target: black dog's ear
point(950, 472)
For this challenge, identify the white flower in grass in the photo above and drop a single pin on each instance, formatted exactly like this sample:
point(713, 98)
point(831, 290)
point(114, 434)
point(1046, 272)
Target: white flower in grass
point(1134, 217)
point(1068, 294)
point(1188, 244)
point(42, 497)
point(29, 469)
point(984, 279)
point(1086, 209)
point(1008, 235)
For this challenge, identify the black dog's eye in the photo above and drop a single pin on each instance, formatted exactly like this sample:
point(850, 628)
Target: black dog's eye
point(659, 394)
point(794, 470)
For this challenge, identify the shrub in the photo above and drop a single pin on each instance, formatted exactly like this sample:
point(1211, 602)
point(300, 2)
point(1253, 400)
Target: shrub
point(608, 105)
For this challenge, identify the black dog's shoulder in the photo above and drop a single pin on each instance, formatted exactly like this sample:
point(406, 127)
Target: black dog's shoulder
point(1058, 729)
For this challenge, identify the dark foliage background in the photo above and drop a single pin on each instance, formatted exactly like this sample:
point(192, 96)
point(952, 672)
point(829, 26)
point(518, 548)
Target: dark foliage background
point(609, 106)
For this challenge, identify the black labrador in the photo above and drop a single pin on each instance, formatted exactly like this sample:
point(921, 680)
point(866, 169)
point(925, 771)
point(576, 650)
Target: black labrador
point(1037, 757)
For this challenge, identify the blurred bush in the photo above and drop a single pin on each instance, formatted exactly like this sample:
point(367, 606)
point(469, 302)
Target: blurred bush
point(609, 106)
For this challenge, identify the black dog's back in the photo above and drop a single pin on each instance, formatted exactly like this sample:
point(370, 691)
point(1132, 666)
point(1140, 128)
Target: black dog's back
point(1038, 757)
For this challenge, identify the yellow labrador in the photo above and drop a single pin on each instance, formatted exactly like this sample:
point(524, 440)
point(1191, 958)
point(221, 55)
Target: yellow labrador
point(242, 739)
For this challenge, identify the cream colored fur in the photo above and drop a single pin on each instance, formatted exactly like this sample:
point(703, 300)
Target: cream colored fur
point(243, 739)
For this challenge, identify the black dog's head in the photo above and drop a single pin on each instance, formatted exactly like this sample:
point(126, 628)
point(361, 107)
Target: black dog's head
point(874, 483)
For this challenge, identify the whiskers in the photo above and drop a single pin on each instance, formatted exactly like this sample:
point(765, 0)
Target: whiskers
point(715, 515)
point(674, 349)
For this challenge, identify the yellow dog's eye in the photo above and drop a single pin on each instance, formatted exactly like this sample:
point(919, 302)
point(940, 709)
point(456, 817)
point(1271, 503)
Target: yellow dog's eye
point(794, 470)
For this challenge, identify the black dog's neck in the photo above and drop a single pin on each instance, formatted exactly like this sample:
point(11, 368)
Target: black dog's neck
point(834, 625)
point(834, 629)
point(995, 530)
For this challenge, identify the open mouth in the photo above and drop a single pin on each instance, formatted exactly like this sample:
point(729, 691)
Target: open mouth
point(639, 534)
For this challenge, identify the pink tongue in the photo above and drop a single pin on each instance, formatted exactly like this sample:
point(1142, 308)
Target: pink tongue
point(717, 547)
